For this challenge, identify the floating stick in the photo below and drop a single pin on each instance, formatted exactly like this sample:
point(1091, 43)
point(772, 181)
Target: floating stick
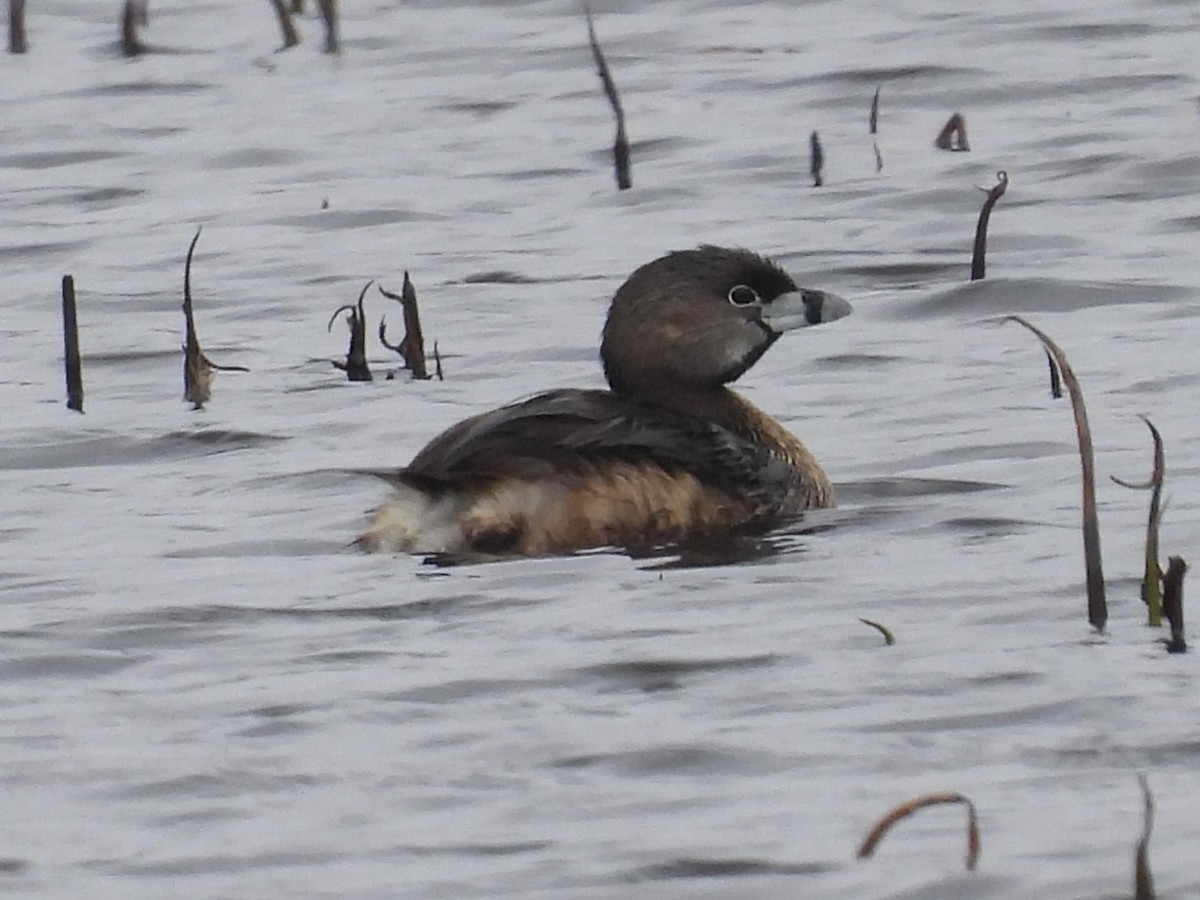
point(1143, 880)
point(621, 144)
point(874, 121)
point(329, 15)
point(1097, 604)
point(979, 254)
point(1173, 602)
point(878, 160)
point(135, 13)
point(816, 159)
point(875, 835)
point(953, 135)
point(888, 637)
point(16, 26)
point(355, 366)
point(437, 362)
point(286, 25)
point(197, 368)
point(412, 347)
point(74, 367)
point(1152, 576)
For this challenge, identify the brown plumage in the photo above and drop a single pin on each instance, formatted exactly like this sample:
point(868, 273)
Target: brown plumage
point(667, 454)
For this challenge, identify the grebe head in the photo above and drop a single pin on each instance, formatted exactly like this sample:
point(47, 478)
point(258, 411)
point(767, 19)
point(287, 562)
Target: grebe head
point(700, 318)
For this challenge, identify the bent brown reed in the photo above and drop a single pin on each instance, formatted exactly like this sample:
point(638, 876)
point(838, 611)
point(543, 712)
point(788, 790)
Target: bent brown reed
point(1097, 604)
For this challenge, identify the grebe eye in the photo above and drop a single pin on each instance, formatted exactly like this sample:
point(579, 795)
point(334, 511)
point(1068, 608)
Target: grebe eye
point(743, 295)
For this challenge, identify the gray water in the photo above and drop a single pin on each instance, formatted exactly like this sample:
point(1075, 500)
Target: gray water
point(205, 691)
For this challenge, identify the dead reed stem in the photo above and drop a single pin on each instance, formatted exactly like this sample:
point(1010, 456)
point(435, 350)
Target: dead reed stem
point(330, 17)
point(1143, 880)
point(621, 161)
point(355, 366)
point(412, 346)
point(881, 828)
point(979, 253)
point(197, 373)
point(816, 159)
point(1055, 378)
point(135, 13)
point(1152, 574)
point(888, 637)
point(16, 26)
point(286, 25)
point(1097, 603)
point(198, 369)
point(873, 122)
point(953, 135)
point(1173, 603)
point(72, 362)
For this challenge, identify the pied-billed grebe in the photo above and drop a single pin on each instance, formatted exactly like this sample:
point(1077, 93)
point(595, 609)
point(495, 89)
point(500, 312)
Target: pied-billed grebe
point(669, 453)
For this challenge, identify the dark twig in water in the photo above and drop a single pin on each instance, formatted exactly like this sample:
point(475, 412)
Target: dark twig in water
point(1152, 574)
point(412, 347)
point(286, 25)
point(1143, 880)
point(135, 13)
point(816, 159)
point(888, 637)
point(437, 362)
point(881, 828)
point(16, 26)
point(329, 17)
point(1055, 378)
point(74, 367)
point(1097, 603)
point(197, 373)
point(1173, 603)
point(878, 160)
point(197, 368)
point(874, 120)
point(355, 366)
point(621, 144)
point(953, 135)
point(979, 254)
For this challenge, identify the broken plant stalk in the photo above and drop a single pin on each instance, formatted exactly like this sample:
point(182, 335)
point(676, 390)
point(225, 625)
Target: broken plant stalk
point(816, 159)
point(881, 828)
point(330, 17)
point(1152, 575)
point(134, 13)
point(197, 367)
point(1173, 603)
point(73, 365)
point(1143, 880)
point(286, 25)
point(621, 143)
point(1055, 378)
point(355, 366)
point(16, 26)
point(888, 637)
point(412, 346)
point(953, 135)
point(1097, 603)
point(979, 254)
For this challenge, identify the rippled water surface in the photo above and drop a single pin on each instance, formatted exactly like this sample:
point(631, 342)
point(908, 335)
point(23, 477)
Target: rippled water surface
point(206, 692)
